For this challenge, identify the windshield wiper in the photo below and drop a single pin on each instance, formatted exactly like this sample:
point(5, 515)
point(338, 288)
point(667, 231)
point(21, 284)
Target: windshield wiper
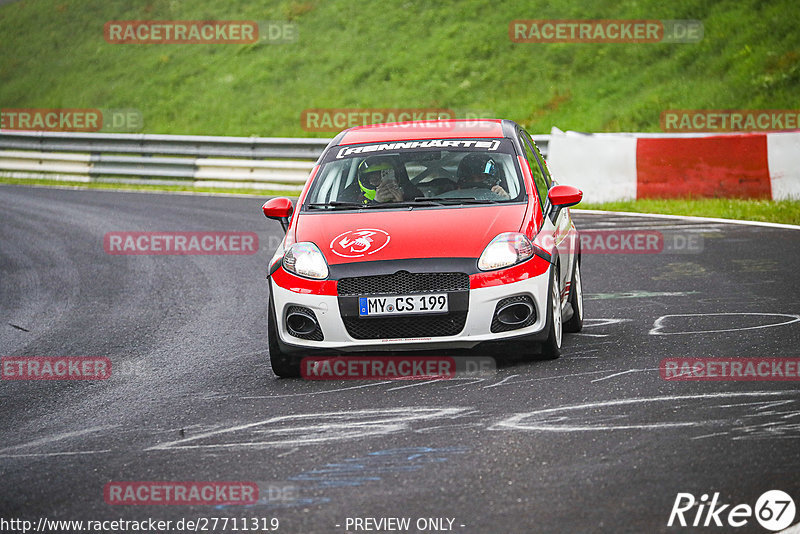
point(377, 205)
point(457, 200)
point(417, 202)
point(336, 204)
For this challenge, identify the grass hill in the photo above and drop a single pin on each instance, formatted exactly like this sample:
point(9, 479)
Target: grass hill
point(398, 54)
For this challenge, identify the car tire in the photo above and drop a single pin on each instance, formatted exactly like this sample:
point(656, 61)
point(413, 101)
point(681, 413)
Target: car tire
point(283, 365)
point(575, 323)
point(551, 347)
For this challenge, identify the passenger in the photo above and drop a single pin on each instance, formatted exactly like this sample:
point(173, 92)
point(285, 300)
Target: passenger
point(479, 171)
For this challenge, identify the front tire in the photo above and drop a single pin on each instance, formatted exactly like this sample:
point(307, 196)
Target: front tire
point(575, 323)
point(283, 365)
point(551, 348)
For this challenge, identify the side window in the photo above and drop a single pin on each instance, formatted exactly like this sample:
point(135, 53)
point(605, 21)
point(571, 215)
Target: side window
point(536, 169)
point(547, 178)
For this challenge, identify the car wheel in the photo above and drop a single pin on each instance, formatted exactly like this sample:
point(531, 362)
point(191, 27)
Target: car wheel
point(283, 365)
point(551, 348)
point(575, 324)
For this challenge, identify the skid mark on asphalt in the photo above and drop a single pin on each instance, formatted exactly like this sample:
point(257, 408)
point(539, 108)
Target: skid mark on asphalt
point(46, 454)
point(508, 382)
point(471, 381)
point(48, 440)
point(594, 323)
point(309, 393)
point(422, 383)
point(679, 270)
point(503, 381)
point(309, 429)
point(450, 428)
point(735, 415)
point(636, 295)
point(701, 413)
point(691, 323)
point(757, 266)
point(623, 373)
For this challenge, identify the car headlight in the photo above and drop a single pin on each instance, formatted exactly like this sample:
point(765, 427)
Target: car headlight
point(506, 249)
point(305, 259)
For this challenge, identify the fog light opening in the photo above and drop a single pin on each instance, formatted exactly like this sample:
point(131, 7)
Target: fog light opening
point(515, 313)
point(301, 323)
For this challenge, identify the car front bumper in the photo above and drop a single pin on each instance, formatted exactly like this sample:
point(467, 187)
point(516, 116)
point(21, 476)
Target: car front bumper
point(529, 279)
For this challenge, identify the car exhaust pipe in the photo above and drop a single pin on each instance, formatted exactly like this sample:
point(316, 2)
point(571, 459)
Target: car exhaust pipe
point(515, 313)
point(299, 322)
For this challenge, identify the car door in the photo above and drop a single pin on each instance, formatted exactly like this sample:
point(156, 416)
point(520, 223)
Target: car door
point(564, 237)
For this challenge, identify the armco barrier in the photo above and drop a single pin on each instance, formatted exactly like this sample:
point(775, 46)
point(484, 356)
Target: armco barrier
point(248, 162)
point(274, 163)
point(244, 162)
point(606, 167)
point(611, 167)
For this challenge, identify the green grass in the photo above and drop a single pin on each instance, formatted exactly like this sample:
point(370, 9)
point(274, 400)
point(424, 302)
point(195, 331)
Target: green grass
point(143, 187)
point(410, 54)
point(777, 211)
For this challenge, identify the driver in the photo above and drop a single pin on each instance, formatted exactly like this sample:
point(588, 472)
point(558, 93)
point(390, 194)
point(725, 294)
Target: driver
point(376, 181)
point(479, 171)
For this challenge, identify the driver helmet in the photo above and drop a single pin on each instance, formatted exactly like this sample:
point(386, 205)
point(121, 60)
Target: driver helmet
point(477, 169)
point(371, 172)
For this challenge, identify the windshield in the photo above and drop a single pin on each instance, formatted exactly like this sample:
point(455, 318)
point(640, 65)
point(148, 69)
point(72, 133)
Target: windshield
point(417, 173)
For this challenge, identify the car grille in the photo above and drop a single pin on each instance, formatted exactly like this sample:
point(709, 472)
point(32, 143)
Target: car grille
point(403, 282)
point(404, 327)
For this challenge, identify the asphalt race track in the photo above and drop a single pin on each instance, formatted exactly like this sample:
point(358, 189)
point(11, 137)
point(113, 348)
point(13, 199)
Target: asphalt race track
point(596, 441)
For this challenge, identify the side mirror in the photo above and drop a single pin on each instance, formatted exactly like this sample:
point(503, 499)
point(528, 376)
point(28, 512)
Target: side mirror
point(563, 196)
point(279, 209)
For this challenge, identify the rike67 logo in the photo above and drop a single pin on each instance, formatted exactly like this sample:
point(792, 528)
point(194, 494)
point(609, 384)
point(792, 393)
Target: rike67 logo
point(774, 510)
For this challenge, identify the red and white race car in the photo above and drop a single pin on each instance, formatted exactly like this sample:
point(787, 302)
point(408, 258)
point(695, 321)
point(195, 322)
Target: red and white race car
point(425, 235)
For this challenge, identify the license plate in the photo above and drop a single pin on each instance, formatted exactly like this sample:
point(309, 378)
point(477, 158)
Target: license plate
point(402, 305)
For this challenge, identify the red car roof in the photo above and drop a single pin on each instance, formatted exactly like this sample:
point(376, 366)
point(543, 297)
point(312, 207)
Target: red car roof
point(444, 129)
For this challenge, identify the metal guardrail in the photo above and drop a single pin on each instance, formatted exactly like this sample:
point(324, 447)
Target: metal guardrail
point(279, 163)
